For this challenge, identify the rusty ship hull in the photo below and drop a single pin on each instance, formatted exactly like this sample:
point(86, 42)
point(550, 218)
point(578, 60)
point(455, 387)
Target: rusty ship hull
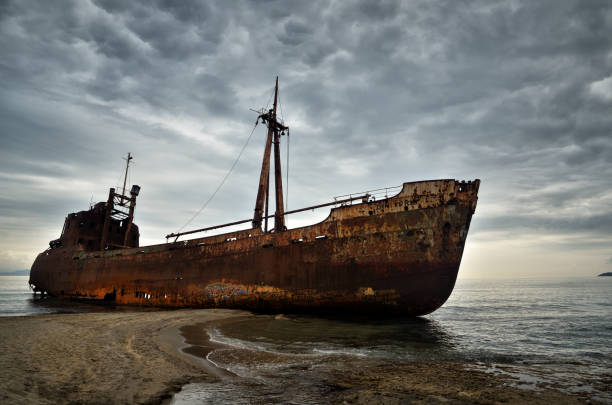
point(397, 255)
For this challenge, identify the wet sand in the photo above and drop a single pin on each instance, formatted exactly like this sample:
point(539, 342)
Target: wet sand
point(137, 357)
point(443, 382)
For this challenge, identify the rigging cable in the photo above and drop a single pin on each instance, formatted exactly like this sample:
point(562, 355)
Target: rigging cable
point(222, 181)
point(129, 182)
point(280, 106)
point(118, 182)
point(287, 181)
point(269, 98)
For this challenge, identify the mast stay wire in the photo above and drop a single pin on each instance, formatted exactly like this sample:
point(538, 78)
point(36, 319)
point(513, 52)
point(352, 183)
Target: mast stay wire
point(119, 178)
point(270, 98)
point(287, 181)
point(282, 114)
point(198, 212)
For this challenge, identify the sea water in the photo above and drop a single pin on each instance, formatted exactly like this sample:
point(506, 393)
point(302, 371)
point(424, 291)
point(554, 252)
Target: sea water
point(542, 333)
point(17, 299)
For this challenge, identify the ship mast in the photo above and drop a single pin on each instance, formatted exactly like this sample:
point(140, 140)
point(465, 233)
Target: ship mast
point(127, 166)
point(275, 130)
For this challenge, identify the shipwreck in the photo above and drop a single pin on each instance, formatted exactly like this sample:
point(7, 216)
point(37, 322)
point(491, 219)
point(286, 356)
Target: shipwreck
point(394, 251)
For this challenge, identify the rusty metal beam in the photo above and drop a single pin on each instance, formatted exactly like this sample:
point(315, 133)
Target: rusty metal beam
point(123, 197)
point(109, 208)
point(360, 197)
point(128, 228)
point(176, 235)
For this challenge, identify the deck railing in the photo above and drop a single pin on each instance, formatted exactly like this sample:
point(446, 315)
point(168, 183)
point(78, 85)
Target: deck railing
point(372, 195)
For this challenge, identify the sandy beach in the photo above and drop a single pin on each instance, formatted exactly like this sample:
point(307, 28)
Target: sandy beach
point(137, 358)
point(98, 358)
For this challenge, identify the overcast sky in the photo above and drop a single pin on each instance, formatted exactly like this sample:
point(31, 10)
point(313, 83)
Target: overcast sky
point(377, 93)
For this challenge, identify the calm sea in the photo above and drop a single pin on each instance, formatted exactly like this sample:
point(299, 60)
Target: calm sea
point(546, 333)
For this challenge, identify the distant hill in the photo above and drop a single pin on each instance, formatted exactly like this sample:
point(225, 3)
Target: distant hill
point(608, 274)
point(16, 273)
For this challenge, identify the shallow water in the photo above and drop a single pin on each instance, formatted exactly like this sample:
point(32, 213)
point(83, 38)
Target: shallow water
point(544, 333)
point(17, 299)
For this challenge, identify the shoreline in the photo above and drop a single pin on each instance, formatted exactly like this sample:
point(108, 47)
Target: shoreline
point(193, 342)
point(147, 357)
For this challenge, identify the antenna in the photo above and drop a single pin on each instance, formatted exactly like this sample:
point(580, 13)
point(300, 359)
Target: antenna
point(127, 166)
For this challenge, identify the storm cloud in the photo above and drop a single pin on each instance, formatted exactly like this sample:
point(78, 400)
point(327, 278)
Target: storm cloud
point(516, 93)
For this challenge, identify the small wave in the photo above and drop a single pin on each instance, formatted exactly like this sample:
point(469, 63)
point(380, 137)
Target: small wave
point(303, 350)
point(214, 363)
point(216, 336)
point(342, 352)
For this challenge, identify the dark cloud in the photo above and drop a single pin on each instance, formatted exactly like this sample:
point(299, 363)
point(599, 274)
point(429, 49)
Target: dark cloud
point(295, 32)
point(517, 93)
